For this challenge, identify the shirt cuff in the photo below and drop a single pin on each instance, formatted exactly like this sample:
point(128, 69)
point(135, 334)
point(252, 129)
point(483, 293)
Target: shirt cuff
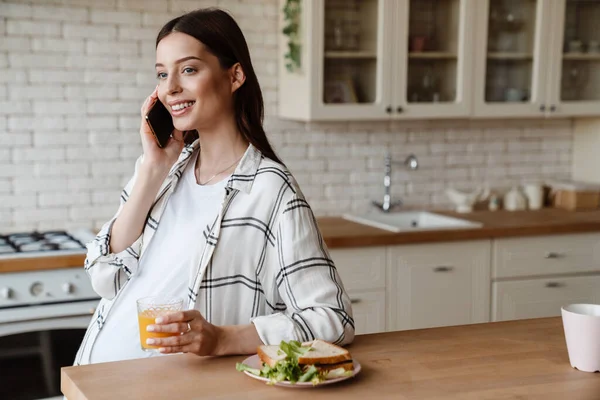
point(274, 328)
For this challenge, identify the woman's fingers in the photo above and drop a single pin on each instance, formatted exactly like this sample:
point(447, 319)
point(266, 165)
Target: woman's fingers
point(179, 344)
point(178, 316)
point(169, 328)
point(190, 348)
point(149, 102)
point(179, 340)
point(197, 337)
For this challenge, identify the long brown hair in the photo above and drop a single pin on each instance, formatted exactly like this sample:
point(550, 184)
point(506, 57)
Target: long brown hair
point(222, 36)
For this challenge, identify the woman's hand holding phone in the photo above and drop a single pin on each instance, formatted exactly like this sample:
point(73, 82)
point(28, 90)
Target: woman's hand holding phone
point(156, 164)
point(155, 156)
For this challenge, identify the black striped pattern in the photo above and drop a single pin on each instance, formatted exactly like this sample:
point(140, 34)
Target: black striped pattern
point(263, 260)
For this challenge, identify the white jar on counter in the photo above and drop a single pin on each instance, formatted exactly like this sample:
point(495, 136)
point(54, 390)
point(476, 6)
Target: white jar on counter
point(514, 200)
point(535, 195)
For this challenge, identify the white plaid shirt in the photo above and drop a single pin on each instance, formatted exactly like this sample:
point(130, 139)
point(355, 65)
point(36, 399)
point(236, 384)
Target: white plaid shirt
point(264, 260)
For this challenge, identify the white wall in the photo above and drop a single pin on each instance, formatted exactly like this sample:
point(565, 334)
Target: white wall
point(73, 75)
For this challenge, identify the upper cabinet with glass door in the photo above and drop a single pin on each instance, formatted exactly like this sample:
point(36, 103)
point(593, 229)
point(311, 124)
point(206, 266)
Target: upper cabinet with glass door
point(377, 59)
point(575, 78)
point(511, 57)
point(403, 59)
point(341, 68)
point(433, 58)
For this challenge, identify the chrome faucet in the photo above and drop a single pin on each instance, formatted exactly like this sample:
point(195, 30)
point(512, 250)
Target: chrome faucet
point(411, 163)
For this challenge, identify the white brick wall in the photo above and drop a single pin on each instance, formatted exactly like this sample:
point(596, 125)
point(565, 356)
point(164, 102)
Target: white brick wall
point(74, 75)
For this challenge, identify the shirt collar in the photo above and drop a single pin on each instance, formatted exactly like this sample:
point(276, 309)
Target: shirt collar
point(245, 172)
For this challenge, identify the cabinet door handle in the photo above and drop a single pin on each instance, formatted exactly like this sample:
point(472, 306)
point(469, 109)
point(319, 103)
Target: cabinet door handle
point(388, 109)
point(354, 301)
point(443, 268)
point(554, 284)
point(553, 255)
point(552, 108)
point(543, 108)
point(399, 110)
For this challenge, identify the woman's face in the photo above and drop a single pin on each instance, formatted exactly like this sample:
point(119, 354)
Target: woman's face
point(191, 83)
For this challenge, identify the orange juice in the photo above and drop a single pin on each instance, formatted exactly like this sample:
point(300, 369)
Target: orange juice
point(146, 318)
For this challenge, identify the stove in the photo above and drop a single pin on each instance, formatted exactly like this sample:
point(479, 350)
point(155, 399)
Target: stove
point(46, 243)
point(48, 293)
point(42, 306)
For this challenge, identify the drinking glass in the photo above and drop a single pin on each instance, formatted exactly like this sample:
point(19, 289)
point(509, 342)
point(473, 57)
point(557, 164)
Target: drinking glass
point(150, 308)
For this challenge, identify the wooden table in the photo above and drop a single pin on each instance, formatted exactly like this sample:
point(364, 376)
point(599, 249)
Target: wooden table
point(506, 360)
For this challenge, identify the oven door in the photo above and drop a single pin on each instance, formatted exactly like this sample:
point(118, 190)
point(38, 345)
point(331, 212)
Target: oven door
point(33, 348)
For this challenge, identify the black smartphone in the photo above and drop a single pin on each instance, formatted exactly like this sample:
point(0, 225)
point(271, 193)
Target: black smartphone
point(161, 123)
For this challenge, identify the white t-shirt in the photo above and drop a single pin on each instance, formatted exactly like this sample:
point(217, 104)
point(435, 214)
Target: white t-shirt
point(164, 267)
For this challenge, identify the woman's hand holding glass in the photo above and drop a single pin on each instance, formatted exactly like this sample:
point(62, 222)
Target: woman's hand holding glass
point(198, 336)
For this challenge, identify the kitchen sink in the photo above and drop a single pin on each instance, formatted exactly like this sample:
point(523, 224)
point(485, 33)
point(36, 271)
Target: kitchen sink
point(410, 221)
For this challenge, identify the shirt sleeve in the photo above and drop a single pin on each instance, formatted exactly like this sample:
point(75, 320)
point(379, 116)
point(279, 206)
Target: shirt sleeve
point(318, 306)
point(109, 271)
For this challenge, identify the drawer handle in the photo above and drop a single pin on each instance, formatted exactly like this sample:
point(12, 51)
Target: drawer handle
point(443, 269)
point(354, 301)
point(554, 255)
point(554, 284)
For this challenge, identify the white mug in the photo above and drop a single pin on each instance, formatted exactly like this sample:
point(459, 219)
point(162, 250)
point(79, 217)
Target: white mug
point(535, 196)
point(581, 323)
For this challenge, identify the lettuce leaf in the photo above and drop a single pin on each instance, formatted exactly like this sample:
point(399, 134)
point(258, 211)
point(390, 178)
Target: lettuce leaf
point(338, 373)
point(243, 367)
point(310, 373)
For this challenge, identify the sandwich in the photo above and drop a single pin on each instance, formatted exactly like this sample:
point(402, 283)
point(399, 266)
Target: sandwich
point(293, 361)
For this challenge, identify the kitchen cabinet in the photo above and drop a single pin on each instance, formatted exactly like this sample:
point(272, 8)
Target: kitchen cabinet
point(428, 285)
point(368, 308)
point(546, 255)
point(410, 59)
point(377, 59)
point(575, 60)
point(537, 58)
point(511, 58)
point(535, 277)
point(363, 272)
point(542, 297)
point(438, 284)
point(432, 61)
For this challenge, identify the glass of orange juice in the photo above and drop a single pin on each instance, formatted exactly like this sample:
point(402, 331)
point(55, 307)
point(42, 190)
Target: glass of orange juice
point(149, 308)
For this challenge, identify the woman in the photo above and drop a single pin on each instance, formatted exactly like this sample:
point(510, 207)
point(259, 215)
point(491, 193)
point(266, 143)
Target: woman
point(213, 217)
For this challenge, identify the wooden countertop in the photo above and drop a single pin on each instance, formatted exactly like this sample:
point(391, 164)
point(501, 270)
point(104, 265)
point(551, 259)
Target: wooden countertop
point(503, 360)
point(339, 233)
point(42, 263)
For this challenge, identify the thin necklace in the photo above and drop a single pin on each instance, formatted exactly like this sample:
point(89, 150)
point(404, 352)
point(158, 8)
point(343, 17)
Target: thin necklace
point(218, 173)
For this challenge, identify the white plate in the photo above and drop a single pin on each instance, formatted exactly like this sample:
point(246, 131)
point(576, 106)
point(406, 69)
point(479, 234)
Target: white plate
point(254, 362)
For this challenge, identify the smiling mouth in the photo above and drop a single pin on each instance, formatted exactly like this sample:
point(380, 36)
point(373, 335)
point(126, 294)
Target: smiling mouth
point(181, 106)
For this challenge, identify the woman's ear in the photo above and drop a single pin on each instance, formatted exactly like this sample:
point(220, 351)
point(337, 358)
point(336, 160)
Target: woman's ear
point(238, 77)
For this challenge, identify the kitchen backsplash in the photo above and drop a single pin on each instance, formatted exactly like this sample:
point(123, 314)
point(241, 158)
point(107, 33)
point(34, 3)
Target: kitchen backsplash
point(74, 74)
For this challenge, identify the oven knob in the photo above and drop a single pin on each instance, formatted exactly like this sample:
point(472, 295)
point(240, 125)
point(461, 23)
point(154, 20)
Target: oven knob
point(6, 293)
point(36, 289)
point(67, 287)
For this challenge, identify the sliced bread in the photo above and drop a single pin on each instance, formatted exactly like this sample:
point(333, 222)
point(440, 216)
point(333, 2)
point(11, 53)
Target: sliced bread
point(323, 354)
point(270, 354)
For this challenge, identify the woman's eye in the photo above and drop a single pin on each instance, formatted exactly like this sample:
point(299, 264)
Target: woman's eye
point(161, 75)
point(189, 70)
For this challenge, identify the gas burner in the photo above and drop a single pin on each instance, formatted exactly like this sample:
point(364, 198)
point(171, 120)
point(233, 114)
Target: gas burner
point(47, 241)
